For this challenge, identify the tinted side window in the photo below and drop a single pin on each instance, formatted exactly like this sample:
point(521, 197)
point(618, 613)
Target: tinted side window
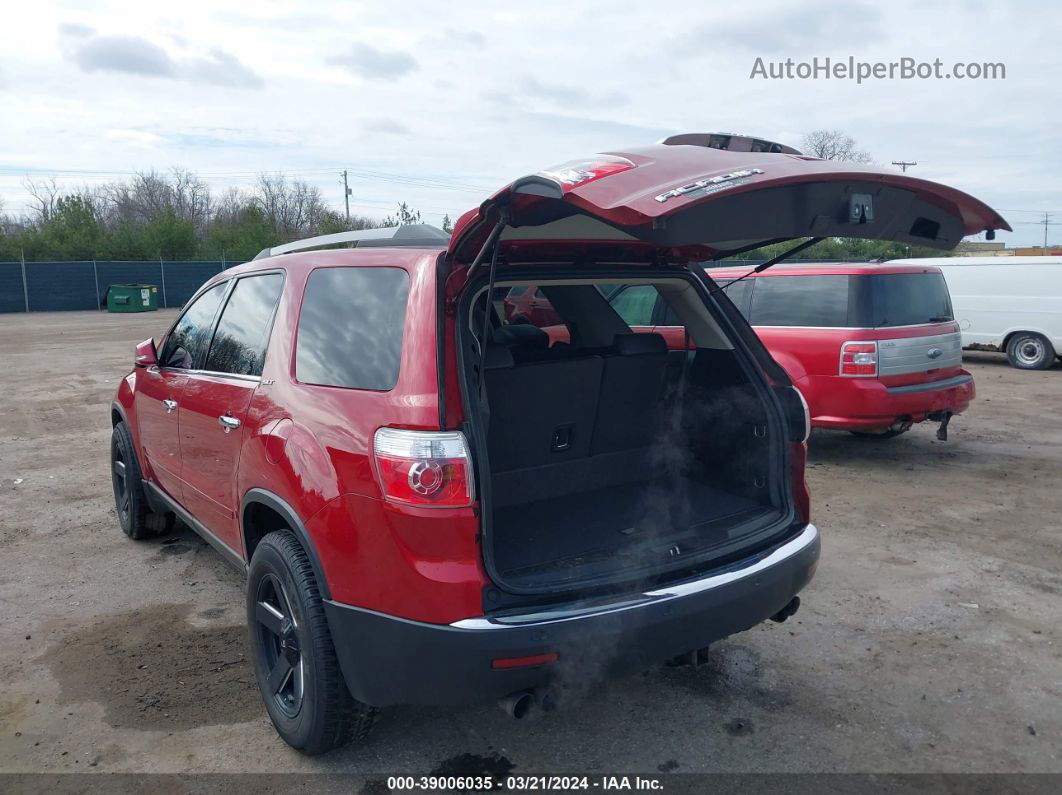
point(800, 301)
point(350, 327)
point(191, 332)
point(635, 304)
point(240, 340)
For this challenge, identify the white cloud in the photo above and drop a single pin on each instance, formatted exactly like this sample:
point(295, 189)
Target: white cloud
point(368, 61)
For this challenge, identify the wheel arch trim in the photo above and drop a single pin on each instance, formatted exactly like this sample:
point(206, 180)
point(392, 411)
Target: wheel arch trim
point(260, 496)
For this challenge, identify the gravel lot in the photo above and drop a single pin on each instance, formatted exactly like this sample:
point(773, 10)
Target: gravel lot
point(929, 641)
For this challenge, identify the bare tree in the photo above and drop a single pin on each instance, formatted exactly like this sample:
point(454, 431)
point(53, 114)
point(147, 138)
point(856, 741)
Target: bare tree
point(148, 195)
point(45, 193)
point(293, 207)
point(834, 145)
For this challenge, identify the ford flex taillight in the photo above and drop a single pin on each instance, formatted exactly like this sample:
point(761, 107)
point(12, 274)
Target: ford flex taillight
point(859, 359)
point(425, 468)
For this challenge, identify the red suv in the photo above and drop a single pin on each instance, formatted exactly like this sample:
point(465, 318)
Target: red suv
point(435, 506)
point(872, 348)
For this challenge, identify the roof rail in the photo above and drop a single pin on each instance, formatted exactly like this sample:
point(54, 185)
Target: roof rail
point(409, 235)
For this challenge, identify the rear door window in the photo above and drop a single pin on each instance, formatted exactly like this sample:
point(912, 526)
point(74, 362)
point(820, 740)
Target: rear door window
point(239, 343)
point(192, 332)
point(814, 300)
point(350, 327)
point(904, 299)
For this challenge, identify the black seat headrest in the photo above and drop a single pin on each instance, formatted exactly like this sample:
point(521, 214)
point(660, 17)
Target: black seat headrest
point(498, 357)
point(636, 344)
point(523, 335)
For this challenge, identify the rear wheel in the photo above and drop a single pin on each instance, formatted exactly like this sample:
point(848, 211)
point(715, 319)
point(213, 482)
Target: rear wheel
point(294, 657)
point(1027, 350)
point(134, 515)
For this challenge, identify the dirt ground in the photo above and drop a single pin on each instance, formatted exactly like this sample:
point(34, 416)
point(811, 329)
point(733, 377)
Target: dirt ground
point(929, 641)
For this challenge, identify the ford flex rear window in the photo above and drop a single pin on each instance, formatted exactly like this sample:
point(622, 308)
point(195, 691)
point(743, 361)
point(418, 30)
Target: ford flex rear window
point(350, 328)
point(904, 299)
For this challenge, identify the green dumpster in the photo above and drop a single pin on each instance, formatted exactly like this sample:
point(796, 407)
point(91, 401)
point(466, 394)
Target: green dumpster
point(132, 298)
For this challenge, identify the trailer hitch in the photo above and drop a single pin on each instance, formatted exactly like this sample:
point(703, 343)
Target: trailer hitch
point(943, 417)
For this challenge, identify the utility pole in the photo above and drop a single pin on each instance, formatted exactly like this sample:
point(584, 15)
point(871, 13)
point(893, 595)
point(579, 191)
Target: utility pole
point(1045, 223)
point(346, 195)
point(903, 164)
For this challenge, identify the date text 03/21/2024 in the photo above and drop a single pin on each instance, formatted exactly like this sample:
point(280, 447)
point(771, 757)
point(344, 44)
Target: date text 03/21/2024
point(523, 783)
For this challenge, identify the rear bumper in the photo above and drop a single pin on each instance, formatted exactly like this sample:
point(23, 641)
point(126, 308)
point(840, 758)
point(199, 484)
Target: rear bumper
point(862, 403)
point(389, 660)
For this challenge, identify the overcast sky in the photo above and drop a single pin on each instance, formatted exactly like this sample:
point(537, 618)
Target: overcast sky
point(438, 104)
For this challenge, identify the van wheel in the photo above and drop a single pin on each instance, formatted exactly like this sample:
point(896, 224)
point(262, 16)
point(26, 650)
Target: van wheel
point(886, 434)
point(294, 657)
point(130, 503)
point(1027, 350)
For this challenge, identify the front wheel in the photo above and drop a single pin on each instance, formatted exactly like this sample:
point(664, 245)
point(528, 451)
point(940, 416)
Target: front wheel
point(1027, 350)
point(130, 503)
point(294, 657)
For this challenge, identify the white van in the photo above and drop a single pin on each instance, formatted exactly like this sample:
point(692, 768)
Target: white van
point(1011, 304)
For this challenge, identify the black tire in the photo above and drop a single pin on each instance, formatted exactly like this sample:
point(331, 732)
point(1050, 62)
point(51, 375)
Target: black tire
point(135, 517)
point(886, 434)
point(293, 654)
point(1028, 350)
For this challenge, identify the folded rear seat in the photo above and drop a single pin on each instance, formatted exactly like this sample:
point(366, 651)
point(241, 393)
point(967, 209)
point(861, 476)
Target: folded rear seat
point(540, 412)
point(632, 391)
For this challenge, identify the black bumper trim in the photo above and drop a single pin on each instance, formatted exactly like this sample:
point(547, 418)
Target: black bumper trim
point(389, 660)
point(931, 386)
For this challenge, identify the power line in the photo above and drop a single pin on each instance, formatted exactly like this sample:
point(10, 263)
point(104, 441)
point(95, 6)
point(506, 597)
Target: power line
point(1046, 222)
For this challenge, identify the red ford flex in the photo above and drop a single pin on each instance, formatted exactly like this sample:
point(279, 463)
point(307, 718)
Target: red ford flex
point(435, 506)
point(873, 348)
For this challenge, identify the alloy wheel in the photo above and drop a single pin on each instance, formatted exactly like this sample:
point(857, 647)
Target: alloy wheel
point(279, 648)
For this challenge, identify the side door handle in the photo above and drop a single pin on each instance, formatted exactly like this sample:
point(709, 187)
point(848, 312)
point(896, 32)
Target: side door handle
point(228, 423)
point(171, 406)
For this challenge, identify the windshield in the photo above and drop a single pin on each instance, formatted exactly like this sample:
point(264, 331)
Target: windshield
point(905, 299)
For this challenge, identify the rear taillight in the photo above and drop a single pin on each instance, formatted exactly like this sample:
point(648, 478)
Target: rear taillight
point(579, 172)
point(427, 468)
point(859, 359)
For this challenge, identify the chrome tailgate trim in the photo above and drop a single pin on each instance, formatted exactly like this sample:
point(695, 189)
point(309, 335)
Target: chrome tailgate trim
point(906, 355)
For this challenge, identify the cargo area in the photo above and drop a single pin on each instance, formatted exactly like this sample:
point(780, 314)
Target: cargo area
point(614, 455)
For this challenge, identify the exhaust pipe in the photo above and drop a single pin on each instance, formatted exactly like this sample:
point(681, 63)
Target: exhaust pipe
point(518, 705)
point(787, 611)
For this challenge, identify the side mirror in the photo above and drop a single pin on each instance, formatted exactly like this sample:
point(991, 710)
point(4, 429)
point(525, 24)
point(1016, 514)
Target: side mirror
point(146, 355)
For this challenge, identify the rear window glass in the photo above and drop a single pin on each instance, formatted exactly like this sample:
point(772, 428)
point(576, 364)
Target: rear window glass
point(800, 301)
point(635, 304)
point(905, 299)
point(738, 292)
point(350, 327)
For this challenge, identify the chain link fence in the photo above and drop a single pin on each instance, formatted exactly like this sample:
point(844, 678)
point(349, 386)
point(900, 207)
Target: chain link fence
point(57, 286)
